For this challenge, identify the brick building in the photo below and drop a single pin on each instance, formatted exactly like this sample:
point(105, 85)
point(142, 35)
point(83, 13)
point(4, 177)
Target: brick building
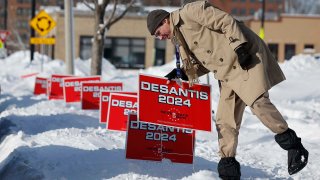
point(234, 7)
point(249, 7)
point(18, 16)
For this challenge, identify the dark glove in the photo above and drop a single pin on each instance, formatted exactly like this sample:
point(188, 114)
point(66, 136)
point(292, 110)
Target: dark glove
point(244, 57)
point(173, 75)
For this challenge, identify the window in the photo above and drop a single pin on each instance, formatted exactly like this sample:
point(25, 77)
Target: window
point(274, 48)
point(128, 53)
point(27, 12)
point(270, 11)
point(44, 2)
point(2, 11)
point(253, 1)
point(160, 52)
point(23, 12)
point(25, 37)
point(18, 24)
point(234, 11)
point(19, 11)
point(289, 51)
point(252, 11)
point(22, 24)
point(243, 12)
point(308, 46)
point(85, 47)
point(24, 1)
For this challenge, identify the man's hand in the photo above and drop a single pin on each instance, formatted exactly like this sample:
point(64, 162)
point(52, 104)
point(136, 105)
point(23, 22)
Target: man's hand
point(244, 57)
point(173, 75)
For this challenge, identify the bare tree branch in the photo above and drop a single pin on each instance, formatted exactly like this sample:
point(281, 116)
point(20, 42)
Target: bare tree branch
point(85, 2)
point(105, 3)
point(115, 3)
point(121, 15)
point(101, 24)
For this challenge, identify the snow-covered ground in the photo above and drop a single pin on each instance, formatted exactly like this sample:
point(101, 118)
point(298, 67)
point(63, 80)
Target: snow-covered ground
point(42, 139)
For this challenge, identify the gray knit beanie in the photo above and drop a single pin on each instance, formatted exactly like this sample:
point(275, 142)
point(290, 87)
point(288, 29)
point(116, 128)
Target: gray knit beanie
point(155, 18)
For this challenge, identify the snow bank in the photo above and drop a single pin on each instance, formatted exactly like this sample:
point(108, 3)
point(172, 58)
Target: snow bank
point(43, 139)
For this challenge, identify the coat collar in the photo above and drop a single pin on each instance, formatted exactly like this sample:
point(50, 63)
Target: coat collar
point(174, 19)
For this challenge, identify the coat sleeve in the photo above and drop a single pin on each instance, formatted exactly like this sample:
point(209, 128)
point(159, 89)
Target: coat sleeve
point(214, 19)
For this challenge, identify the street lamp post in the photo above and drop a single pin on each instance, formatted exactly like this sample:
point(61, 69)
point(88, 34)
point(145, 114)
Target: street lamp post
point(261, 33)
point(69, 36)
point(5, 14)
point(32, 33)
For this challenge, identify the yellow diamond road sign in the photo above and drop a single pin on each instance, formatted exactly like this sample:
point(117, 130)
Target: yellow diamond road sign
point(42, 23)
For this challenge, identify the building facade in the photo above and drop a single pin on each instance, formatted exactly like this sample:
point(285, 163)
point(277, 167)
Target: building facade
point(291, 35)
point(129, 45)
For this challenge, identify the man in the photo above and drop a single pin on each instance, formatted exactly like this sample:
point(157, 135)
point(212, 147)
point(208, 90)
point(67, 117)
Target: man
point(209, 39)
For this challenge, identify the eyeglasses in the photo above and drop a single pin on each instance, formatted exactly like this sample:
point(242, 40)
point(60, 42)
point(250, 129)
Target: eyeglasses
point(157, 33)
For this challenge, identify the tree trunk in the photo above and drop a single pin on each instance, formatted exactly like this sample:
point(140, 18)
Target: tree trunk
point(100, 28)
point(98, 43)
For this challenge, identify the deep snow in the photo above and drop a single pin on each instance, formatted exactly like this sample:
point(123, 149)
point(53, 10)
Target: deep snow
point(42, 139)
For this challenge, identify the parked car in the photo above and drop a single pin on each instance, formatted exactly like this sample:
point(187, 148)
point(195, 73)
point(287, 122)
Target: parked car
point(317, 56)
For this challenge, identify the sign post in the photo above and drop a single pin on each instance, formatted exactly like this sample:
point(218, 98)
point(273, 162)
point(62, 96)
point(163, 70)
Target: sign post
point(43, 24)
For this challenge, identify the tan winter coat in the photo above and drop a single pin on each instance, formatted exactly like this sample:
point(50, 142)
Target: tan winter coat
point(212, 35)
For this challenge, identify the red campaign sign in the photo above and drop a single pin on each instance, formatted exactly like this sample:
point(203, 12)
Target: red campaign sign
point(120, 106)
point(146, 141)
point(3, 35)
point(104, 104)
point(90, 92)
point(40, 86)
point(56, 87)
point(172, 105)
point(72, 87)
